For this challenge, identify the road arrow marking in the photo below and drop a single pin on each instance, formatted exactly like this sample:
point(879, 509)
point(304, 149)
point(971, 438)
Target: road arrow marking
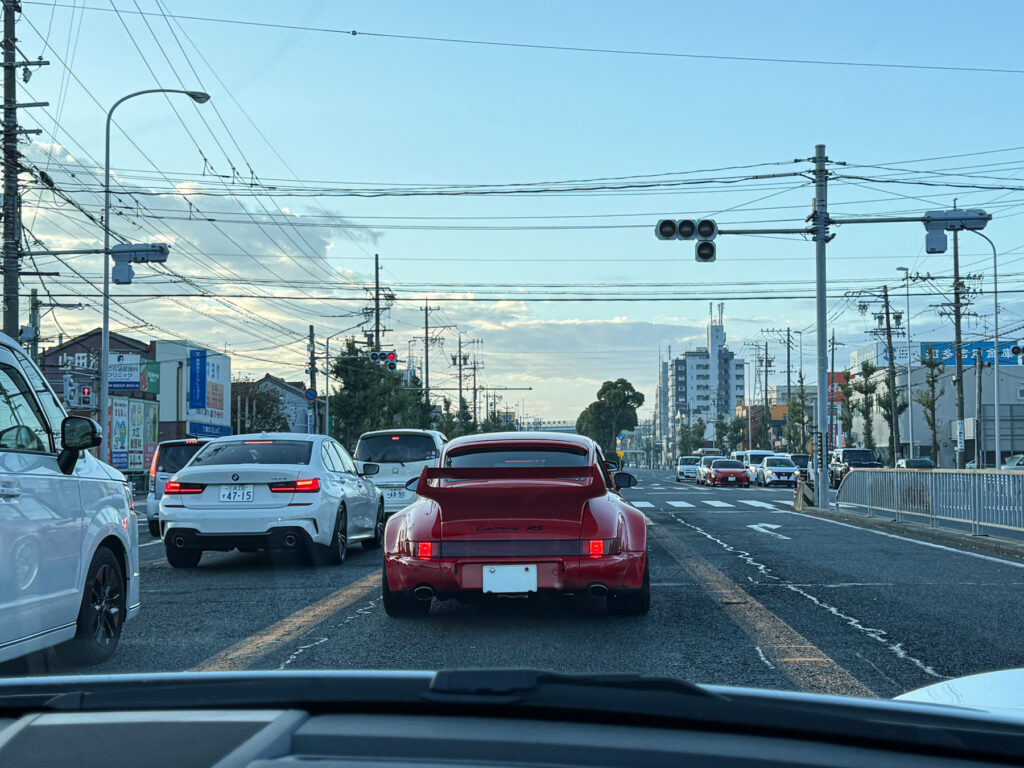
point(760, 528)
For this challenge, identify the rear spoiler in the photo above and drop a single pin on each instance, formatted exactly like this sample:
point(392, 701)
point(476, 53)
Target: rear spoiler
point(430, 487)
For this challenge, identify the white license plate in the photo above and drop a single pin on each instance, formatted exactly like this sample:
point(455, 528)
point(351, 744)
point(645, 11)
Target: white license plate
point(732, 479)
point(236, 493)
point(510, 579)
point(395, 493)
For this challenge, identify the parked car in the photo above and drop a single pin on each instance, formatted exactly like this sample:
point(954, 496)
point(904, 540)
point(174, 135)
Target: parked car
point(915, 464)
point(271, 491)
point(69, 540)
point(170, 456)
point(728, 472)
point(401, 455)
point(705, 466)
point(845, 459)
point(686, 468)
point(776, 470)
point(1014, 462)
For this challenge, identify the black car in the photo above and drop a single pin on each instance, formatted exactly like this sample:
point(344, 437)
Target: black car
point(845, 459)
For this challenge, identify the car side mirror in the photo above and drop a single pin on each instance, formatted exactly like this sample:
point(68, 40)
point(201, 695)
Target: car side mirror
point(624, 480)
point(410, 485)
point(370, 469)
point(77, 434)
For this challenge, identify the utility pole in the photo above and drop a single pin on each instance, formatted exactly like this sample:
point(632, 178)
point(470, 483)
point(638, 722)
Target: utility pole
point(958, 340)
point(458, 407)
point(476, 419)
point(12, 223)
point(310, 412)
point(789, 369)
point(767, 406)
point(978, 454)
point(376, 302)
point(894, 411)
point(832, 438)
point(34, 323)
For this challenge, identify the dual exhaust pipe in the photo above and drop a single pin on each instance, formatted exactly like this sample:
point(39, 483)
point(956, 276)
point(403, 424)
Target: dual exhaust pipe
point(290, 541)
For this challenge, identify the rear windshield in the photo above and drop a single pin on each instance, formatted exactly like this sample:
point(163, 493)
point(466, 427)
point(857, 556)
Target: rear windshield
point(919, 464)
point(727, 464)
point(858, 455)
point(512, 456)
point(779, 461)
point(801, 460)
point(706, 460)
point(688, 461)
point(171, 458)
point(388, 449)
point(755, 457)
point(256, 452)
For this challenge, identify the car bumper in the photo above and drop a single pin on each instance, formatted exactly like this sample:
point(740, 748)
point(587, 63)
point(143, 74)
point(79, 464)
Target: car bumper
point(780, 481)
point(741, 481)
point(248, 523)
point(463, 577)
point(282, 537)
point(152, 507)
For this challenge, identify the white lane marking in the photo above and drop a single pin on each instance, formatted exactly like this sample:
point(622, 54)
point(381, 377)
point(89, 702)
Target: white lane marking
point(642, 504)
point(680, 504)
point(761, 655)
point(758, 504)
point(150, 543)
point(761, 528)
point(719, 504)
point(783, 500)
point(978, 555)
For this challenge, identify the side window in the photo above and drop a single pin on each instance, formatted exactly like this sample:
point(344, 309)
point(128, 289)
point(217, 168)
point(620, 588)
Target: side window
point(22, 426)
point(330, 461)
point(347, 465)
point(604, 471)
point(51, 407)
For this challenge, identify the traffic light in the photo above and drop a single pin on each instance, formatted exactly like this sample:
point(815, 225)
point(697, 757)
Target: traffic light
point(1018, 348)
point(70, 390)
point(704, 231)
point(389, 359)
point(85, 397)
point(705, 251)
point(376, 357)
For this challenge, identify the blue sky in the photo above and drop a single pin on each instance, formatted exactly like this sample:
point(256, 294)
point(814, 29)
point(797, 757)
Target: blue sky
point(339, 108)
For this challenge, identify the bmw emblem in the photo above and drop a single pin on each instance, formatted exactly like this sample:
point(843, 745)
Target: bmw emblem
point(234, 477)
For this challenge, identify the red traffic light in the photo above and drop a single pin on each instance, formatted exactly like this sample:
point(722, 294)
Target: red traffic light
point(86, 391)
point(392, 357)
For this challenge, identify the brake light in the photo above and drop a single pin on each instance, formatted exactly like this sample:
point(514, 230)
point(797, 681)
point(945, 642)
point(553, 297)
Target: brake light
point(601, 547)
point(173, 486)
point(423, 550)
point(258, 442)
point(596, 547)
point(152, 467)
point(311, 485)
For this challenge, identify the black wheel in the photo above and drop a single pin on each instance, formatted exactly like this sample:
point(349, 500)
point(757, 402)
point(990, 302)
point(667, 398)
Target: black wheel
point(182, 557)
point(634, 603)
point(154, 529)
point(378, 530)
point(334, 552)
point(101, 616)
point(401, 604)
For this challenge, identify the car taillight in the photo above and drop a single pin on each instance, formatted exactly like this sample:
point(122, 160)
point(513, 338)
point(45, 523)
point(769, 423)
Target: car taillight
point(152, 470)
point(601, 547)
point(311, 485)
point(423, 550)
point(173, 486)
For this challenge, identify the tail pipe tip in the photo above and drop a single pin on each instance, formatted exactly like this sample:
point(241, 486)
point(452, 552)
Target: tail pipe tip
point(597, 590)
point(423, 592)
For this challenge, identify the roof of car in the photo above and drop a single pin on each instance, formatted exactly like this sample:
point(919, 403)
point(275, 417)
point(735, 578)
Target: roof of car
point(431, 432)
point(522, 437)
point(268, 436)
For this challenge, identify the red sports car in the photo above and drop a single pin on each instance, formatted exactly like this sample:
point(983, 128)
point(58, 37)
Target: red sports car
point(728, 472)
point(517, 513)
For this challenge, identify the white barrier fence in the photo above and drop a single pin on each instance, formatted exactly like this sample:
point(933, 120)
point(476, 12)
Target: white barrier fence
point(992, 498)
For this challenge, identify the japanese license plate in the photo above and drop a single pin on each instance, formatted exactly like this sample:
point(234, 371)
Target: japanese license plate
point(509, 579)
point(732, 479)
point(236, 493)
point(395, 493)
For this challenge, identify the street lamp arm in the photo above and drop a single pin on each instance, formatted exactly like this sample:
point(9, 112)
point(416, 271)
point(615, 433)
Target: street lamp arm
point(995, 344)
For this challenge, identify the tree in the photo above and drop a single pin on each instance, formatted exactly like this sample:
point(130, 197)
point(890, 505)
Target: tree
point(721, 433)
point(886, 402)
point(736, 433)
point(685, 440)
point(697, 431)
point(613, 411)
point(865, 407)
point(261, 407)
point(928, 397)
point(845, 407)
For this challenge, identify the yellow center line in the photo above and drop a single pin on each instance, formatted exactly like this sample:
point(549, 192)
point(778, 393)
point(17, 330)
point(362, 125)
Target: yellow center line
point(770, 633)
point(243, 654)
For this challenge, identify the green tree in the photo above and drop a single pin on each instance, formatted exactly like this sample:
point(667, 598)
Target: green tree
point(722, 433)
point(613, 411)
point(886, 402)
point(737, 432)
point(846, 407)
point(865, 407)
point(261, 407)
point(797, 418)
point(928, 397)
point(371, 397)
point(492, 423)
point(697, 431)
point(685, 440)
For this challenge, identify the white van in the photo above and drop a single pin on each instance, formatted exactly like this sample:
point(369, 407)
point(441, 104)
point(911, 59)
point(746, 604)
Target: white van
point(69, 537)
point(402, 454)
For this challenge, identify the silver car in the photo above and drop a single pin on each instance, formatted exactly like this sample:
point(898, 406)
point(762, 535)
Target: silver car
point(401, 455)
point(686, 468)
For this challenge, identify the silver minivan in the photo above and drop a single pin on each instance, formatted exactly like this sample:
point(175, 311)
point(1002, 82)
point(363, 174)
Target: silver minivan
point(402, 454)
point(69, 537)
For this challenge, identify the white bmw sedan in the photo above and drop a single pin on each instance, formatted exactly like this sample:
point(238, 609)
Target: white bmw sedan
point(270, 491)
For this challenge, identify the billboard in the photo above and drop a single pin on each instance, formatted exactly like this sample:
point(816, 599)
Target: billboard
point(945, 352)
point(119, 432)
point(124, 371)
point(209, 391)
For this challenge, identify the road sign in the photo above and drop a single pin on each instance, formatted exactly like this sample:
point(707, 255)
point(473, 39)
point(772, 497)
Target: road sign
point(310, 394)
point(622, 436)
point(961, 433)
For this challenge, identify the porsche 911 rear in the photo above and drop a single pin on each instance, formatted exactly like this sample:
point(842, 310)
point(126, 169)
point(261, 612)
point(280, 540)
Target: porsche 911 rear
point(515, 531)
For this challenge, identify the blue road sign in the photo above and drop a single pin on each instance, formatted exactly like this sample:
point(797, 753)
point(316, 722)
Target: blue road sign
point(310, 394)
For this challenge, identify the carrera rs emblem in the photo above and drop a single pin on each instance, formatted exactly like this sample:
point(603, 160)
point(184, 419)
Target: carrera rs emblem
point(234, 476)
point(497, 528)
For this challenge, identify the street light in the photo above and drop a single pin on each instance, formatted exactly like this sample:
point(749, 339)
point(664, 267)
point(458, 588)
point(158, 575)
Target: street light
point(199, 98)
point(995, 365)
point(910, 398)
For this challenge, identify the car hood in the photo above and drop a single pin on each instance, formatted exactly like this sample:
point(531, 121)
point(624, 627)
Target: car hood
point(999, 692)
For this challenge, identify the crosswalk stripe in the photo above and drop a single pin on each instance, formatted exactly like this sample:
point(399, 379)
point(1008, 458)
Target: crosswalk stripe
point(643, 505)
point(719, 504)
point(758, 504)
point(680, 504)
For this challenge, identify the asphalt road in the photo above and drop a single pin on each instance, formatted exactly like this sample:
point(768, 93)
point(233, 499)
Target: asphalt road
point(744, 592)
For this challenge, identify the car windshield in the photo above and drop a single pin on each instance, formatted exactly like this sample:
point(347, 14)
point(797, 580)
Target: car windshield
point(368, 253)
point(295, 452)
point(392, 448)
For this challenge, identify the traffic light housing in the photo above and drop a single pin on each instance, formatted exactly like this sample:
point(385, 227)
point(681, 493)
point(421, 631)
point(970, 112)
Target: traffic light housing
point(85, 397)
point(1018, 348)
point(70, 390)
point(387, 358)
point(704, 231)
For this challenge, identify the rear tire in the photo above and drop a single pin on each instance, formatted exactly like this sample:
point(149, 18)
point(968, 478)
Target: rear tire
point(154, 529)
point(102, 612)
point(633, 603)
point(186, 557)
point(378, 530)
point(334, 553)
point(401, 604)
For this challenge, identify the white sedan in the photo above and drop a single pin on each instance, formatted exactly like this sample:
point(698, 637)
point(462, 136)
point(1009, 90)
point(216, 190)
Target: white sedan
point(270, 491)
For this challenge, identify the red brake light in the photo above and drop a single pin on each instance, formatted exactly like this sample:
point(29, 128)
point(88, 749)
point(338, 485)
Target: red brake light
point(596, 547)
point(311, 485)
point(259, 442)
point(152, 464)
point(424, 550)
point(173, 486)
point(395, 437)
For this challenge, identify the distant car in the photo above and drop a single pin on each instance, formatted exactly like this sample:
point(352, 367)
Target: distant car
point(1014, 462)
point(728, 472)
point(170, 456)
point(686, 468)
point(754, 459)
point(704, 467)
point(845, 459)
point(515, 514)
point(915, 464)
point(401, 455)
point(271, 491)
point(776, 470)
point(803, 464)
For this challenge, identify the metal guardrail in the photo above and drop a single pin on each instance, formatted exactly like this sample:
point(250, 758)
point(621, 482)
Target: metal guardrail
point(990, 498)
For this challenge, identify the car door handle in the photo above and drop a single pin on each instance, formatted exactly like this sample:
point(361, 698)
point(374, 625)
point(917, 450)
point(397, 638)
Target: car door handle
point(7, 492)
